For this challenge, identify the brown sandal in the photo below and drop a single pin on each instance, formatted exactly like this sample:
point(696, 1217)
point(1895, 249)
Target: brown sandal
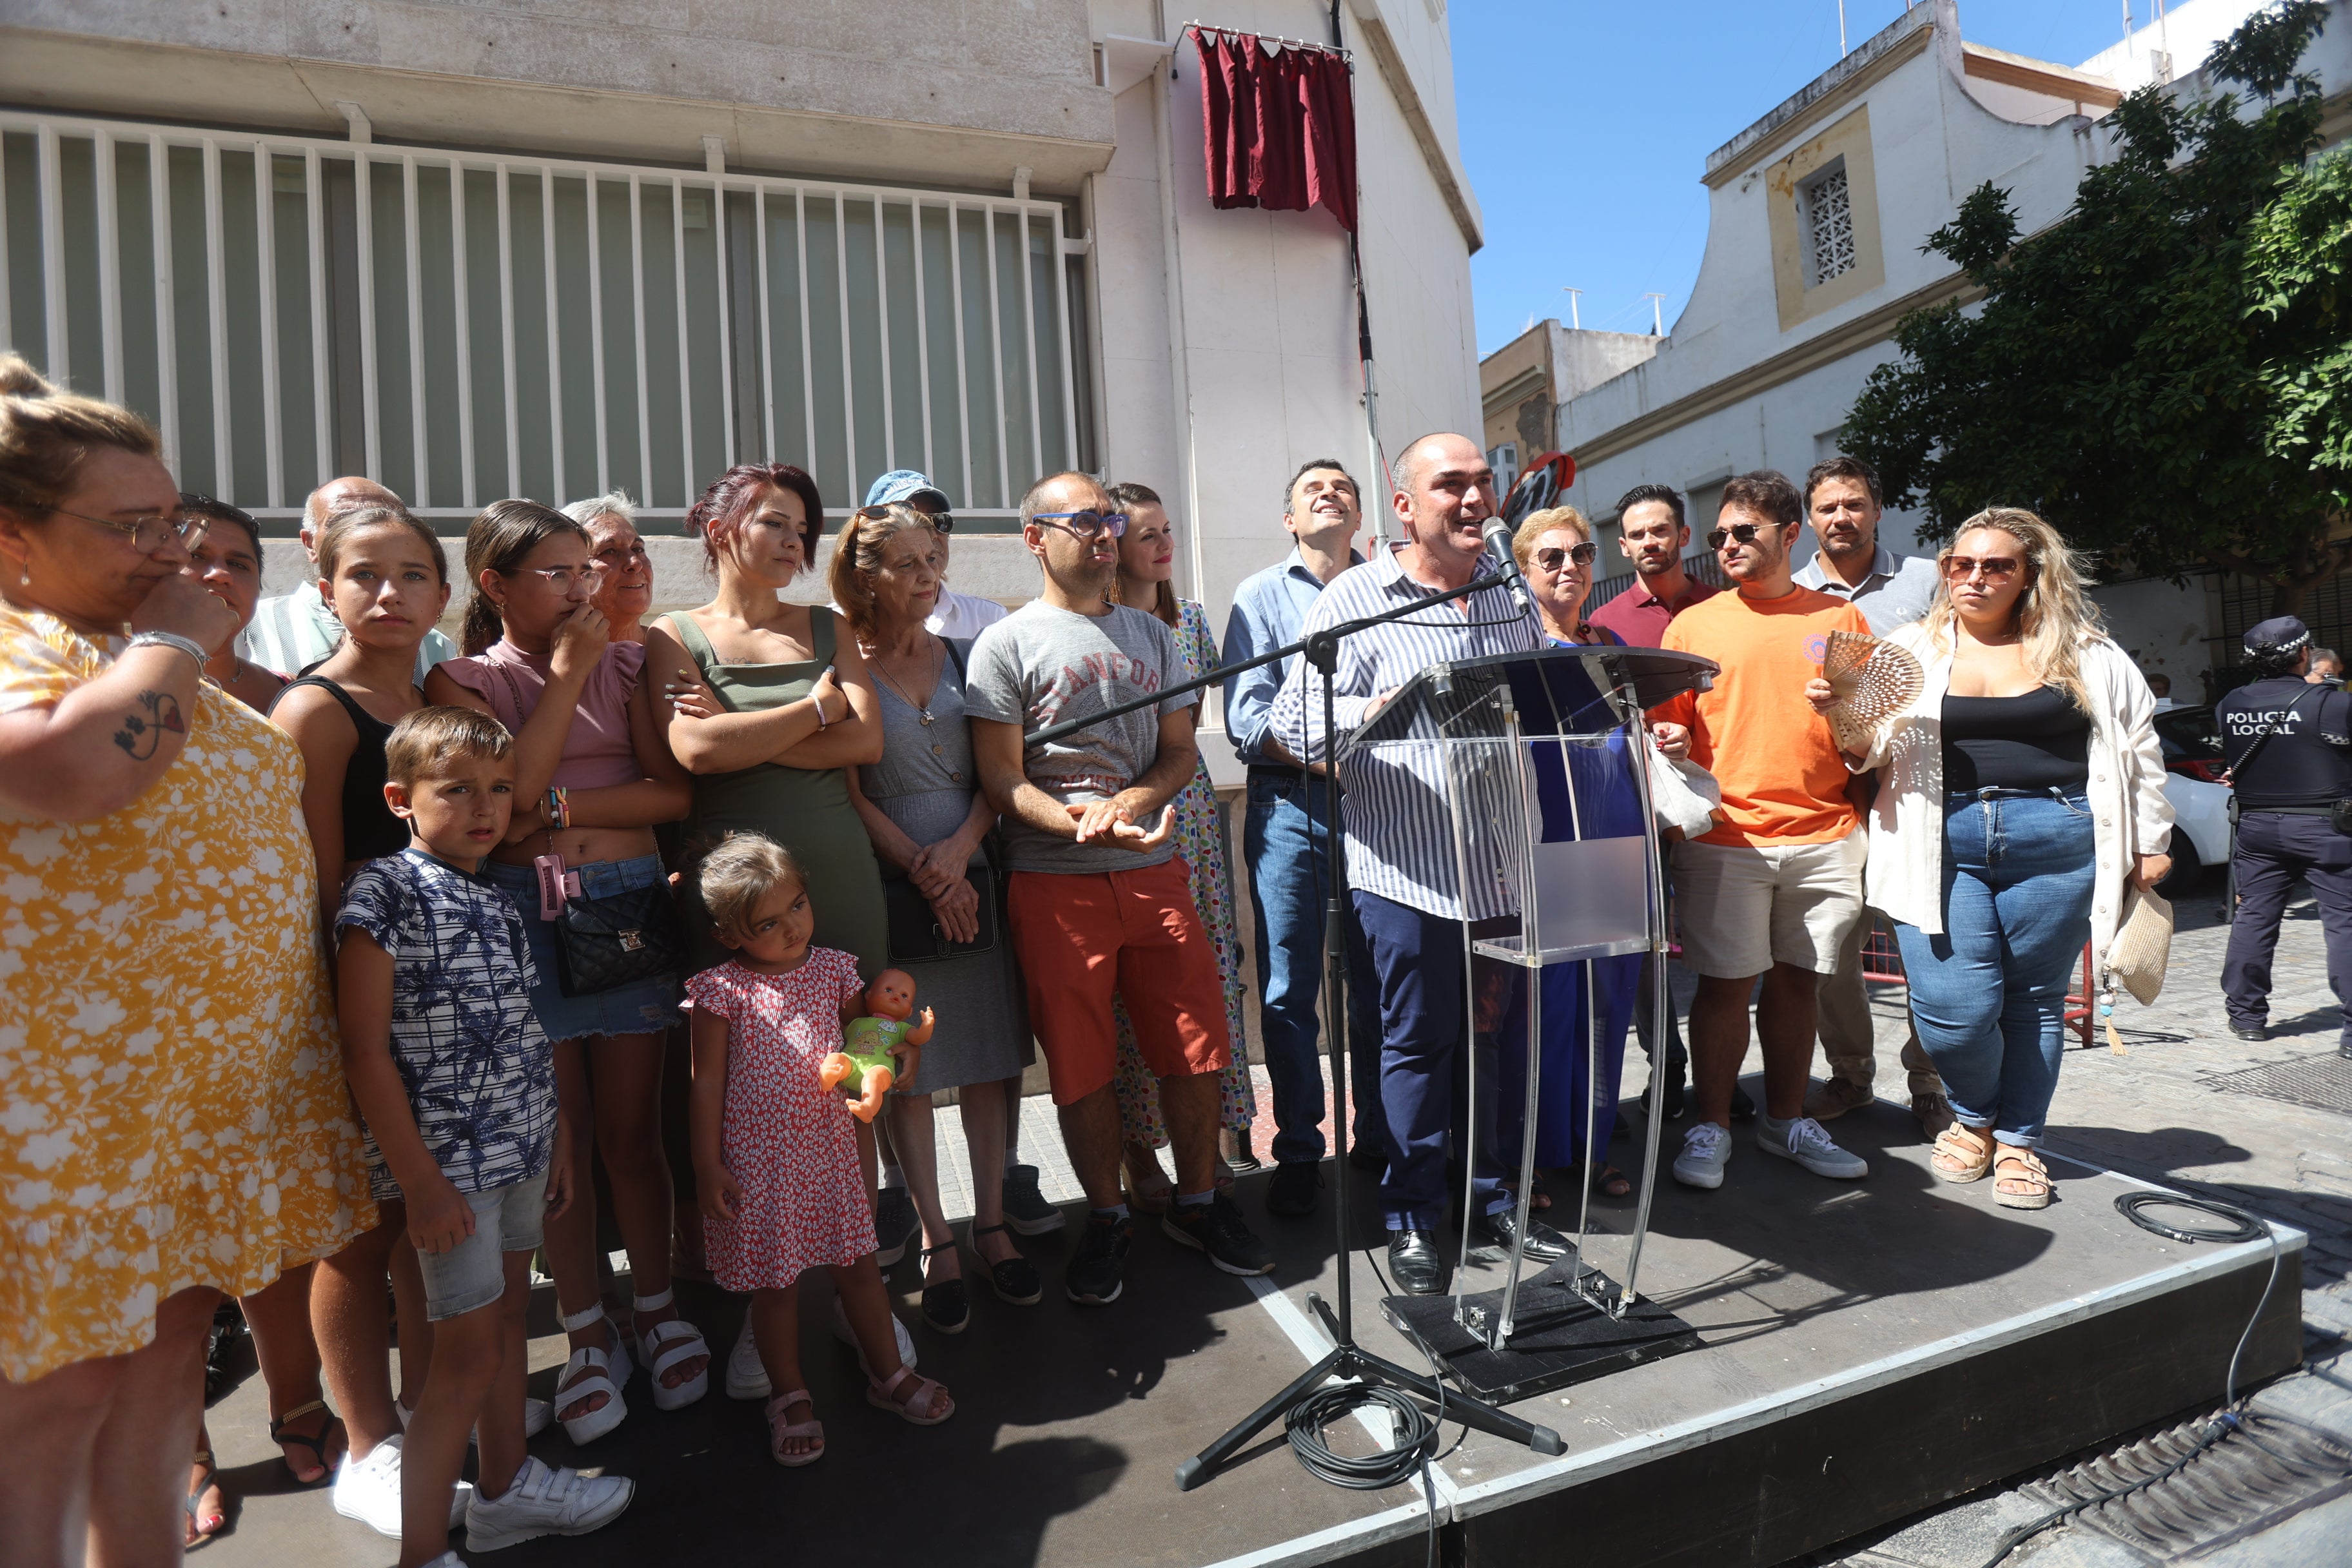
point(1958, 1160)
point(2024, 1168)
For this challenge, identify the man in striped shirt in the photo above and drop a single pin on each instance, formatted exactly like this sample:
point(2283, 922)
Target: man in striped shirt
point(1400, 841)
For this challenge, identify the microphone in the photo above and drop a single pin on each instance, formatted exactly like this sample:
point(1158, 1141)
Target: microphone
point(1498, 540)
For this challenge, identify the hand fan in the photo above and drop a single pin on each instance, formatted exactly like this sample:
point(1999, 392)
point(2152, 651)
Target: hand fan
point(1873, 679)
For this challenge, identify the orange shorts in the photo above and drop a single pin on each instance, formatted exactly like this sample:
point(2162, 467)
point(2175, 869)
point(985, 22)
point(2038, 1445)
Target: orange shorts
point(1084, 938)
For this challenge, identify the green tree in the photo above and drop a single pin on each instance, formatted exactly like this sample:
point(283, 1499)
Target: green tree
point(2166, 374)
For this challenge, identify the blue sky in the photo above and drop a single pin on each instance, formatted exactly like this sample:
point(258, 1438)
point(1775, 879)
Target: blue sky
point(1585, 124)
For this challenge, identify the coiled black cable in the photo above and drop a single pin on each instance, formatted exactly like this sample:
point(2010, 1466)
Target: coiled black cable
point(1414, 1441)
point(2084, 1496)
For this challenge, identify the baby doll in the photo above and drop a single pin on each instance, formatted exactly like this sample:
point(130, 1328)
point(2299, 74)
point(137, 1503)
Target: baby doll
point(864, 1066)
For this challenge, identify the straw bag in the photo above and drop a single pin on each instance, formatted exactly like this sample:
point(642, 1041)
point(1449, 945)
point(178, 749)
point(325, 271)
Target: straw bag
point(2138, 956)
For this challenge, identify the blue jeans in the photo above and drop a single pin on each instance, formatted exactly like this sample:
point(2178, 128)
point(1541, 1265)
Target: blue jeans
point(1990, 995)
point(1425, 1062)
point(1286, 845)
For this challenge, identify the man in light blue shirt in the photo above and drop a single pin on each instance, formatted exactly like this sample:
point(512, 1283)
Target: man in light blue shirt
point(291, 632)
point(1841, 504)
point(1286, 841)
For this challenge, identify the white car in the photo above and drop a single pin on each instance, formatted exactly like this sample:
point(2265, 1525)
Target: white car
point(2200, 830)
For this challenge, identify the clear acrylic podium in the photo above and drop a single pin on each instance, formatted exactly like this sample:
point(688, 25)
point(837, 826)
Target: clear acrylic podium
point(1545, 759)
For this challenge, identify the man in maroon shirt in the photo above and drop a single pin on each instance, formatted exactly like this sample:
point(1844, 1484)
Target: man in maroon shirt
point(1654, 536)
point(1652, 533)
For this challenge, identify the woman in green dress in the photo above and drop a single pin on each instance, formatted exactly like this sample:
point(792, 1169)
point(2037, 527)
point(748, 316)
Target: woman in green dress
point(770, 702)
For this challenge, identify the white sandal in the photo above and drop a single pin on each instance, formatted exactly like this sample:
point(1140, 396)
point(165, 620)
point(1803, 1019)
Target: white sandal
point(664, 1346)
point(606, 1374)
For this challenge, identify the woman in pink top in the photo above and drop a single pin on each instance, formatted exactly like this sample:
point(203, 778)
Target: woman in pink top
point(592, 774)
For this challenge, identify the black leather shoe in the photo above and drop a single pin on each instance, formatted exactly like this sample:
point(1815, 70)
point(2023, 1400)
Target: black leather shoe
point(1364, 1157)
point(1291, 1194)
point(1414, 1266)
point(2251, 1031)
point(1496, 1230)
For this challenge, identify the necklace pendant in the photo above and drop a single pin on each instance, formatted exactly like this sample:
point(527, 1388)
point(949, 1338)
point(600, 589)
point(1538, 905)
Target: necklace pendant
point(924, 714)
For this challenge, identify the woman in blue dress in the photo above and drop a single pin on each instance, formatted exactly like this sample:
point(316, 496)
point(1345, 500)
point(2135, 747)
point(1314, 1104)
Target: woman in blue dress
point(1578, 1091)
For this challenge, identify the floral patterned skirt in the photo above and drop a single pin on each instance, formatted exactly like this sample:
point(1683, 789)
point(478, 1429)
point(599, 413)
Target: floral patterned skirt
point(1200, 838)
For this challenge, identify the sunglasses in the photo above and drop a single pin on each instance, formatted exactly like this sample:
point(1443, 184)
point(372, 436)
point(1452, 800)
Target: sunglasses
point(1085, 525)
point(1553, 557)
point(1995, 568)
point(1745, 532)
point(942, 521)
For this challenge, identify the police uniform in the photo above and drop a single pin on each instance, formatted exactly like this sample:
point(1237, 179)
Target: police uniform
point(2284, 800)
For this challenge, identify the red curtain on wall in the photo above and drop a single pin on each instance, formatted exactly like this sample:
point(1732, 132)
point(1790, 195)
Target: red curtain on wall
point(1280, 125)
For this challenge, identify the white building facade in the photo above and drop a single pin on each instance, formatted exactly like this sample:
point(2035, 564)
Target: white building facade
point(557, 247)
point(1818, 215)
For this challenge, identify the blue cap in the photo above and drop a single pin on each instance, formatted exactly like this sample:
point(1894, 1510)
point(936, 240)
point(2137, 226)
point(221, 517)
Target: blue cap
point(904, 484)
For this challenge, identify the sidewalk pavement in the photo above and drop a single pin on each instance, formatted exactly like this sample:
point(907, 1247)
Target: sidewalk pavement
point(2168, 1112)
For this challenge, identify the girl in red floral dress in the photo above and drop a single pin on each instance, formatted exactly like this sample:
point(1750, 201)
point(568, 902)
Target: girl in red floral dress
point(775, 1159)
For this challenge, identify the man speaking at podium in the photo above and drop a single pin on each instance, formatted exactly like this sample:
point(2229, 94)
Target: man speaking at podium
point(1399, 845)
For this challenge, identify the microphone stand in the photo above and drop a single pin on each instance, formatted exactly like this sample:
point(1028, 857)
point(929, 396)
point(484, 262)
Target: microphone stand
point(1346, 1361)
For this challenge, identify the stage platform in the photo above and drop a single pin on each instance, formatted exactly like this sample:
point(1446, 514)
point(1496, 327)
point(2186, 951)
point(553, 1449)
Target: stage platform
point(1869, 1349)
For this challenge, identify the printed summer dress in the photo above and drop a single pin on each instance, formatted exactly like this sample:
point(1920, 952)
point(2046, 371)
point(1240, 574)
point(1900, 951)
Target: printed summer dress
point(1201, 840)
point(785, 1138)
point(172, 1110)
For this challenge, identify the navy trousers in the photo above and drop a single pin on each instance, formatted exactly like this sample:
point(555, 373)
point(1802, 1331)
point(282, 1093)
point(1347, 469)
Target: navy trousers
point(1425, 1050)
point(2272, 851)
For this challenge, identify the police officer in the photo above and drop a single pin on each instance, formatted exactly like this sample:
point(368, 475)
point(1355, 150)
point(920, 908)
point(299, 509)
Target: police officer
point(2289, 747)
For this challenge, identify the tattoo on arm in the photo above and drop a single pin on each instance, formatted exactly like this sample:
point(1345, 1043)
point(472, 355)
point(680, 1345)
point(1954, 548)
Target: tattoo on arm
point(141, 734)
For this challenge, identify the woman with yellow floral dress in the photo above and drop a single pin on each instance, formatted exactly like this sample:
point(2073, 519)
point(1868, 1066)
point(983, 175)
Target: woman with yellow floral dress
point(174, 1121)
point(1147, 555)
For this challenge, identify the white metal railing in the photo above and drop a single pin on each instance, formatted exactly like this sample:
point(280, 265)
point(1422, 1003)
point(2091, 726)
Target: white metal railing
point(286, 309)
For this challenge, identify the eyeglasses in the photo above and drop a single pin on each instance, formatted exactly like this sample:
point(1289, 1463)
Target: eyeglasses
point(1995, 568)
point(148, 535)
point(1554, 557)
point(1086, 525)
point(1745, 532)
point(560, 578)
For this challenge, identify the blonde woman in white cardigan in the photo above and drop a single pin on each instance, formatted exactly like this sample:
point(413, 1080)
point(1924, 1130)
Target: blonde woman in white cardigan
point(2021, 792)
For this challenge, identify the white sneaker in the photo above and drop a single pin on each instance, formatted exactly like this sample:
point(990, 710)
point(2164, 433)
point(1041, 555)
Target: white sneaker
point(544, 1501)
point(368, 1490)
point(747, 1375)
point(1804, 1141)
point(1707, 1149)
point(841, 1332)
point(447, 1560)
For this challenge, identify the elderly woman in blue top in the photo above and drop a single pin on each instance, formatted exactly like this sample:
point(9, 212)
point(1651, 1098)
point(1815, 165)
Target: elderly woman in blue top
point(1285, 842)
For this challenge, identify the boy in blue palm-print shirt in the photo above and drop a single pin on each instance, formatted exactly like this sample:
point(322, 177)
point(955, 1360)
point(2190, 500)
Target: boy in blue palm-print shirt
point(456, 1082)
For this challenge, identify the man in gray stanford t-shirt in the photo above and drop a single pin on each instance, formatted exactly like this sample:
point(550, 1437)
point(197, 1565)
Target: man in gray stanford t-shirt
point(1098, 906)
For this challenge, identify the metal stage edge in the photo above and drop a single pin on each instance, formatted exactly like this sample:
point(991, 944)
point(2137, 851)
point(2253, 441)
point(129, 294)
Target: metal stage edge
point(1759, 1482)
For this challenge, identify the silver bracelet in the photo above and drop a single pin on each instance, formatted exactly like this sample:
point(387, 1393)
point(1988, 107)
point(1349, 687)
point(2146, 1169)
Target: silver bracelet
point(188, 646)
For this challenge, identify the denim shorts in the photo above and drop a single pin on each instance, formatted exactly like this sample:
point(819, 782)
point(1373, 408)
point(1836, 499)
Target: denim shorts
point(643, 1007)
point(474, 1272)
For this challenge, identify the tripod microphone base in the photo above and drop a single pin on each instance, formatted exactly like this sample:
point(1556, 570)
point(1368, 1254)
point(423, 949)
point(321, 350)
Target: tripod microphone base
point(1350, 1362)
point(1558, 1337)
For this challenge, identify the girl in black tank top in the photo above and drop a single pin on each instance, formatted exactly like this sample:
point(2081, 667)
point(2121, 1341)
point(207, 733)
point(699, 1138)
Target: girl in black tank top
point(370, 829)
